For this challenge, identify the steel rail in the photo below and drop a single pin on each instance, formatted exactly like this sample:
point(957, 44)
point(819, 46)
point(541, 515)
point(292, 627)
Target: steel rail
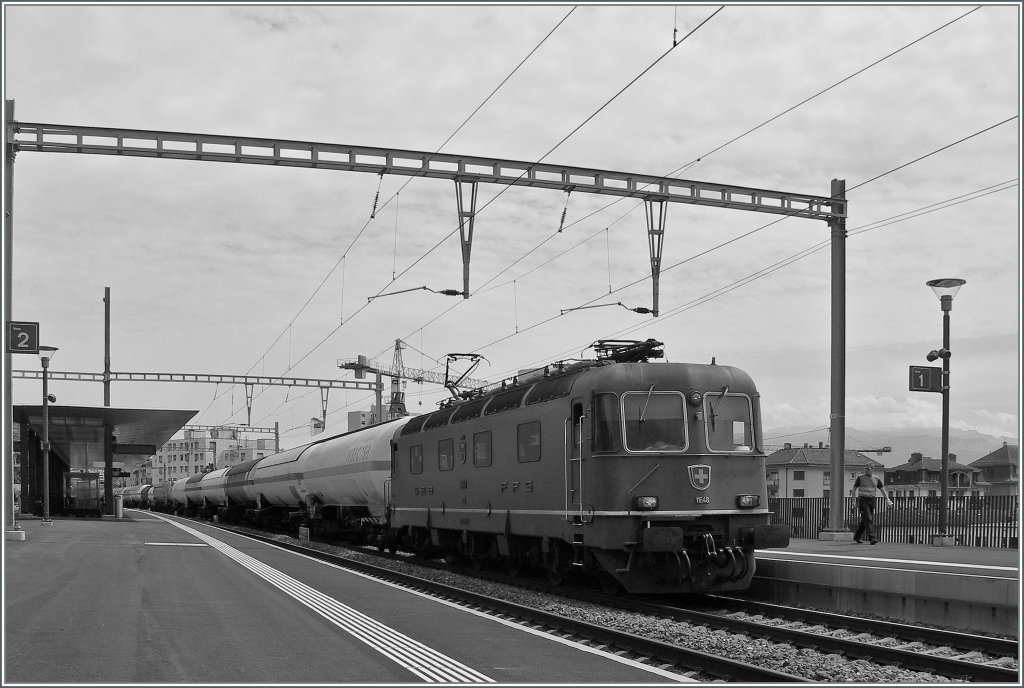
point(968, 642)
point(856, 649)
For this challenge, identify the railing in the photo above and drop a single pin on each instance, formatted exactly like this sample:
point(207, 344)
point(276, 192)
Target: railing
point(991, 521)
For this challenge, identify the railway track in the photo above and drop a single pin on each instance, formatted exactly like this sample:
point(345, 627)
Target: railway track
point(951, 654)
point(956, 656)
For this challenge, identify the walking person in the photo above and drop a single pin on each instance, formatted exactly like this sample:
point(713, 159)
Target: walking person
point(865, 488)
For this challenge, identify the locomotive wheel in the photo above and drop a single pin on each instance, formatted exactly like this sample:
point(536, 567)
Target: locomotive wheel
point(513, 566)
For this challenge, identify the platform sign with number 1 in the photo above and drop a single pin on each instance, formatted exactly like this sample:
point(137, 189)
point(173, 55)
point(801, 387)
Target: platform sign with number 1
point(22, 337)
point(925, 379)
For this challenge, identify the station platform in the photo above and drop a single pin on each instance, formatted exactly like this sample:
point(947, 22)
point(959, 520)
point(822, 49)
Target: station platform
point(972, 589)
point(152, 599)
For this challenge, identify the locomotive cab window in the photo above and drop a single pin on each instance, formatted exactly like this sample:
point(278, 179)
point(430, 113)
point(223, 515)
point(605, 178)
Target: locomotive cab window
point(528, 437)
point(728, 420)
point(654, 421)
point(606, 423)
point(416, 459)
point(482, 449)
point(445, 455)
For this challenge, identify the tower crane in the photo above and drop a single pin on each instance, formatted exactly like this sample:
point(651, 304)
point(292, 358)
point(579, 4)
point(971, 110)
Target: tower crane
point(397, 372)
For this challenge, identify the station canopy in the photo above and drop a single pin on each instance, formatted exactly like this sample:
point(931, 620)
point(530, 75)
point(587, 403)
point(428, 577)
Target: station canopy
point(76, 432)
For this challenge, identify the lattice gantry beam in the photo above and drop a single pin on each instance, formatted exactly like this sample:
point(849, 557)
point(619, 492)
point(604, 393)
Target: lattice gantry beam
point(201, 378)
point(57, 138)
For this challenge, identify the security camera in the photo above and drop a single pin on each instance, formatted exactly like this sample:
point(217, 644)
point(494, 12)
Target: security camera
point(52, 398)
point(941, 353)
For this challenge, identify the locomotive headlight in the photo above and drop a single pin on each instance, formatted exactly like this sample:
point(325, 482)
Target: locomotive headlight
point(748, 501)
point(645, 503)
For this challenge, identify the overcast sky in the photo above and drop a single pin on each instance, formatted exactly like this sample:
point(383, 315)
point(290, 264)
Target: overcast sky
point(243, 269)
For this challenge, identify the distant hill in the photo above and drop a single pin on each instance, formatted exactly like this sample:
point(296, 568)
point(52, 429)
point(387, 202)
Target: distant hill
point(968, 445)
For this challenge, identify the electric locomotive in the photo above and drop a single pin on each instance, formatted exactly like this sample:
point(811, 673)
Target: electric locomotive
point(648, 475)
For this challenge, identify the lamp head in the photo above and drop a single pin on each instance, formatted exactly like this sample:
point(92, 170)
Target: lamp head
point(46, 353)
point(936, 354)
point(52, 398)
point(946, 289)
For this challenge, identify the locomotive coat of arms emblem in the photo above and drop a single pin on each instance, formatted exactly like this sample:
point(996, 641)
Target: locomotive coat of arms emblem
point(700, 476)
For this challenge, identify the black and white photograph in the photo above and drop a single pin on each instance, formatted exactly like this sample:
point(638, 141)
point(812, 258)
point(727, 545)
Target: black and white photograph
point(517, 343)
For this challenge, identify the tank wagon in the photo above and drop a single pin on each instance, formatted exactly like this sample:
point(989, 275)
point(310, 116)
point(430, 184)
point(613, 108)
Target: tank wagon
point(137, 496)
point(648, 475)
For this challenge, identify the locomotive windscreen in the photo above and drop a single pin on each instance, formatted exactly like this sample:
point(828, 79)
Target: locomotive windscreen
point(655, 421)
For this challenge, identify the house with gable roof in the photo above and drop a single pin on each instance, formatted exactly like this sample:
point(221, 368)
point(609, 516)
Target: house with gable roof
point(920, 477)
point(1001, 469)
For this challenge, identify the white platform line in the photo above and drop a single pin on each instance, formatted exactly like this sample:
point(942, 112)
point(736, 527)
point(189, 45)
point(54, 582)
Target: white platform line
point(421, 660)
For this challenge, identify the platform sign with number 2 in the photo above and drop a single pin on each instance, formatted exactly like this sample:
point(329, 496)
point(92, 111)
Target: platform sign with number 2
point(22, 337)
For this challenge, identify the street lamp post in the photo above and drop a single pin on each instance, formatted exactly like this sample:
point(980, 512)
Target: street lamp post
point(45, 354)
point(945, 289)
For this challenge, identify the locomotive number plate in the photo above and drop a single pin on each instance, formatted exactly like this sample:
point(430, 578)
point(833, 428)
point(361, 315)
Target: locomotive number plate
point(703, 500)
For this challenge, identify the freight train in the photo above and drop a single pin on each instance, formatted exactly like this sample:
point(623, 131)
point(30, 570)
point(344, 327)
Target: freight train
point(648, 476)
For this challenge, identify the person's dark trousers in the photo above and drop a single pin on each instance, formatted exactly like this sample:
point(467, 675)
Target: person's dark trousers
point(866, 507)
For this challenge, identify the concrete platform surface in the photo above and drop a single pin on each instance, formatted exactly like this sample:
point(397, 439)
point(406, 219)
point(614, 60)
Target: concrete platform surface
point(158, 600)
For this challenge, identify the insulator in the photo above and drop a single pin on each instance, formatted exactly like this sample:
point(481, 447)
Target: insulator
point(373, 212)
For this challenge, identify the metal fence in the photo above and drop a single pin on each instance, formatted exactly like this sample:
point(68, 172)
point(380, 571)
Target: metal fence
point(991, 521)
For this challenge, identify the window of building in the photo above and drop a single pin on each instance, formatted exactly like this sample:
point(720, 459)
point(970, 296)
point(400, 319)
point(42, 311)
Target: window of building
point(416, 459)
point(798, 493)
point(528, 442)
point(798, 475)
point(446, 454)
point(482, 449)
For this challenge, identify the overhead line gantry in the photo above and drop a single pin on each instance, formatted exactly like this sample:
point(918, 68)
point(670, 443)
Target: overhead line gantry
point(468, 172)
point(249, 381)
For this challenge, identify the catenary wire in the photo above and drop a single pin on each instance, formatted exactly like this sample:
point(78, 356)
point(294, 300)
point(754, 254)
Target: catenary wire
point(602, 107)
point(721, 291)
point(483, 287)
point(366, 224)
point(862, 183)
